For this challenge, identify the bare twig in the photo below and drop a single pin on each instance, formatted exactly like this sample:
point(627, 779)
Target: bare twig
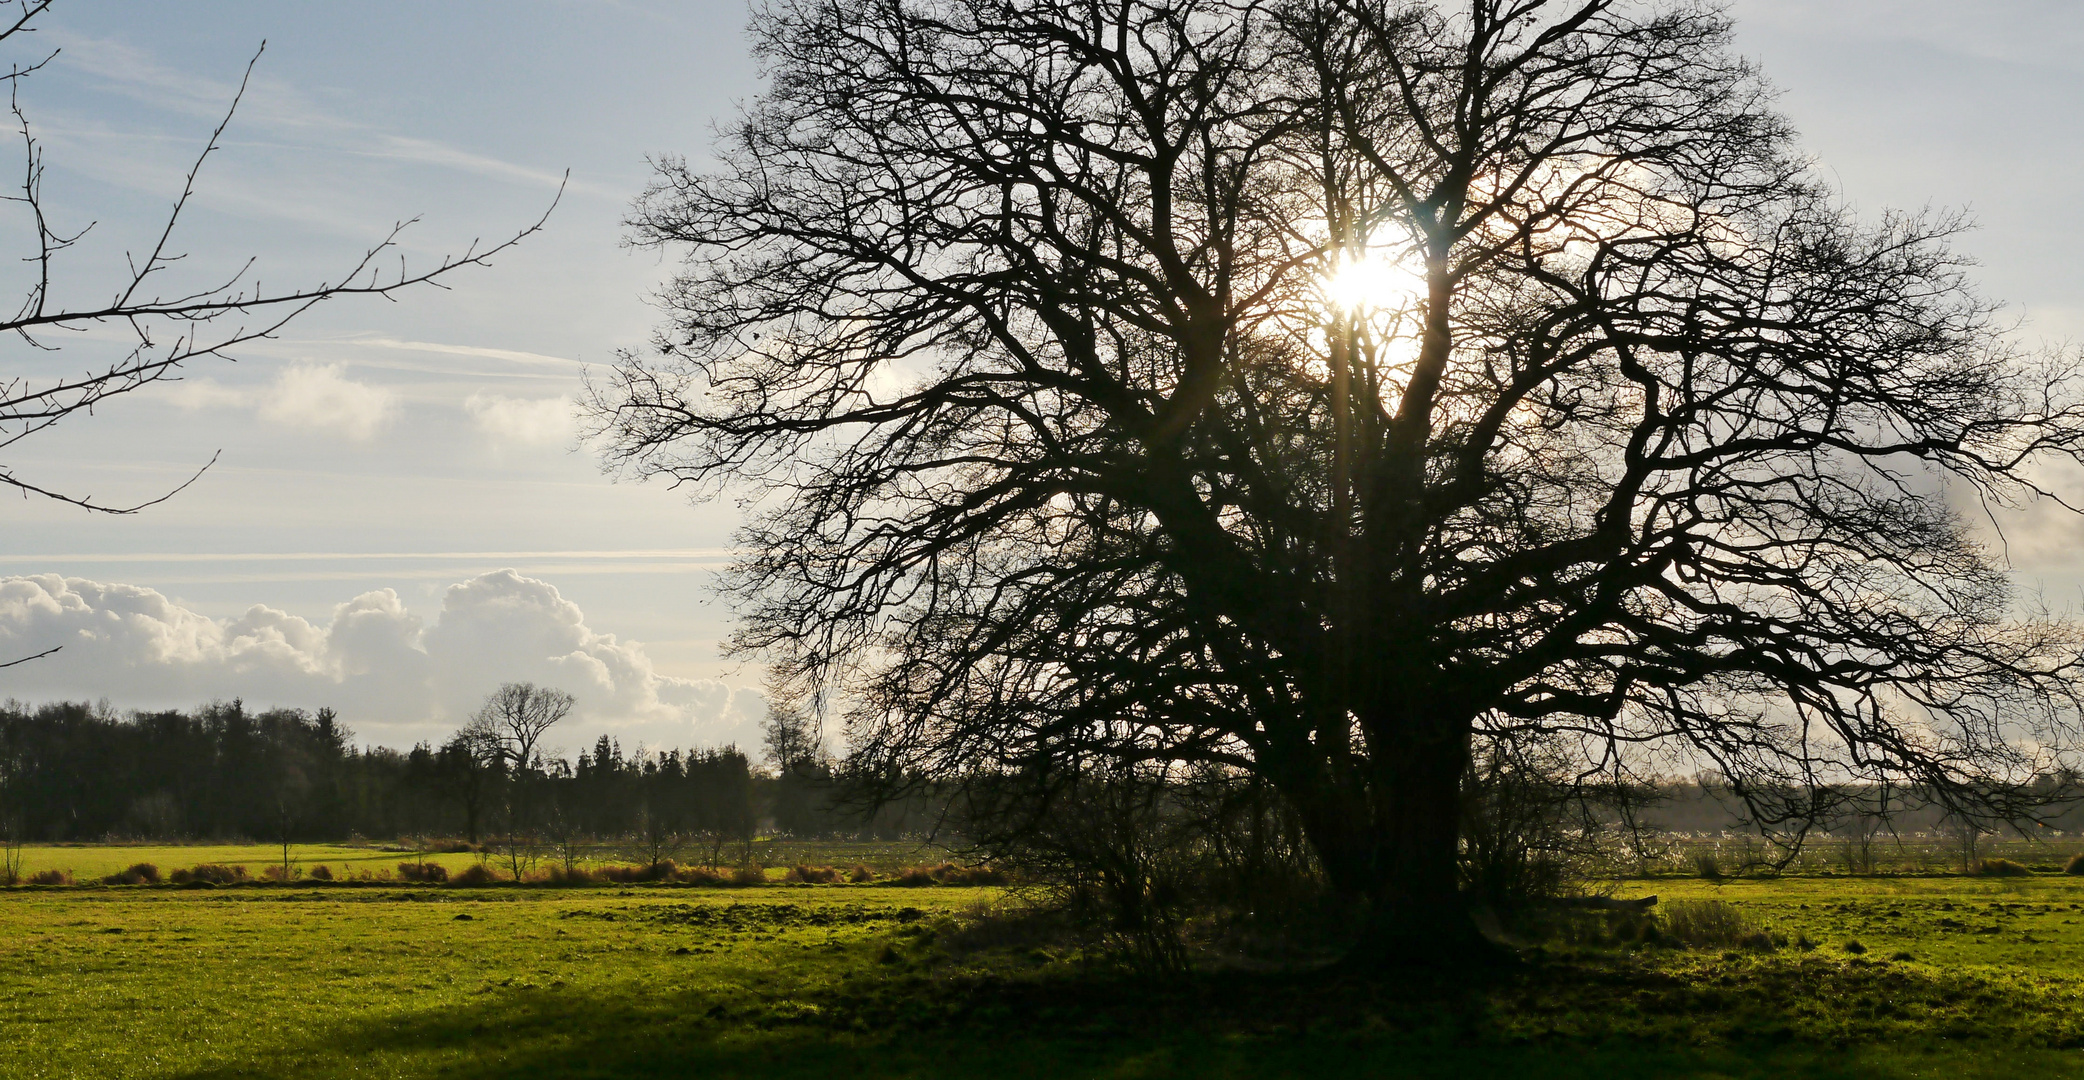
point(38, 656)
point(170, 330)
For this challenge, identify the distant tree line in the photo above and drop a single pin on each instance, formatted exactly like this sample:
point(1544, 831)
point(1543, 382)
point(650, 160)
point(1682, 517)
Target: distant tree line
point(70, 771)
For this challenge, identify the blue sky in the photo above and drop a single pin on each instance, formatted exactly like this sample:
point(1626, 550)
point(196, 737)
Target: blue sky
point(423, 446)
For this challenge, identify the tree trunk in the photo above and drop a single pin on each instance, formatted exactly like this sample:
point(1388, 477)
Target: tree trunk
point(1394, 850)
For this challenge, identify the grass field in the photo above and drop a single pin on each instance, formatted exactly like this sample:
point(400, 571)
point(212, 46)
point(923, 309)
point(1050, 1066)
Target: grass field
point(88, 862)
point(256, 981)
point(92, 861)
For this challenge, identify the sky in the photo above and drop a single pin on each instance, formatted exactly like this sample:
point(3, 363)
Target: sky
point(400, 516)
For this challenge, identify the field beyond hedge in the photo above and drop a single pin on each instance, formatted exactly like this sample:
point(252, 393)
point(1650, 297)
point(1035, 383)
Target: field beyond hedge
point(89, 862)
point(1960, 977)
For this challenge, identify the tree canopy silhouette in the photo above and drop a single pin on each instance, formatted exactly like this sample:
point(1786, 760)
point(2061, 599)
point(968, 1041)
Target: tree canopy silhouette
point(1318, 387)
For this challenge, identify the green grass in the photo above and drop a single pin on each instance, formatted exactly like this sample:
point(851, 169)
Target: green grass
point(885, 982)
point(1889, 855)
point(89, 862)
point(93, 861)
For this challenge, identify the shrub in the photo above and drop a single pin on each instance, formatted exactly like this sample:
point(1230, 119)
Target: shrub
point(951, 874)
point(451, 847)
point(2001, 868)
point(749, 875)
point(861, 873)
point(577, 875)
point(279, 872)
point(812, 875)
point(2075, 865)
point(1709, 924)
point(213, 873)
point(913, 877)
point(50, 877)
point(143, 873)
point(474, 876)
point(322, 872)
point(1707, 867)
point(627, 874)
point(700, 875)
point(432, 873)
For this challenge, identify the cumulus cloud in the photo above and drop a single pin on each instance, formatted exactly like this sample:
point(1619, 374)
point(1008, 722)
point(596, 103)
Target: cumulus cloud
point(318, 396)
point(536, 421)
point(393, 677)
point(305, 396)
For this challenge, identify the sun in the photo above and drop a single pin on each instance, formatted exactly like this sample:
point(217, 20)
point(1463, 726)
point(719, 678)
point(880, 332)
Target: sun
point(1378, 280)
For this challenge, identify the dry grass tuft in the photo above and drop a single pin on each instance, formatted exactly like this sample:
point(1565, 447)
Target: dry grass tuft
point(913, 877)
point(1712, 924)
point(812, 875)
point(2075, 865)
point(321, 872)
point(861, 873)
point(431, 873)
point(475, 876)
point(949, 874)
point(749, 875)
point(50, 877)
point(2001, 868)
point(701, 875)
point(628, 875)
point(143, 873)
point(971, 875)
point(211, 873)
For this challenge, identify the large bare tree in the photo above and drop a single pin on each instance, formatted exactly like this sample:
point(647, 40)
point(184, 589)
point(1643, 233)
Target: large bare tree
point(1319, 387)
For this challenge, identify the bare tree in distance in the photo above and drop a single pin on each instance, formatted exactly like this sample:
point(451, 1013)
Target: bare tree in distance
point(1323, 389)
point(790, 739)
point(167, 324)
point(514, 719)
point(510, 726)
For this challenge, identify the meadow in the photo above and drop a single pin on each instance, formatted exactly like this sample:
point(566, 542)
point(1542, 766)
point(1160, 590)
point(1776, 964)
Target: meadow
point(1885, 976)
point(91, 862)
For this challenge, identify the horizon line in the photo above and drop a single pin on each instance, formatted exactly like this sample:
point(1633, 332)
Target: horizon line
point(317, 556)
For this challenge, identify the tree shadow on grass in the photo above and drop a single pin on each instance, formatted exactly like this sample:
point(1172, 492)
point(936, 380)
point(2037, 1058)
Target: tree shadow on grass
point(1561, 1022)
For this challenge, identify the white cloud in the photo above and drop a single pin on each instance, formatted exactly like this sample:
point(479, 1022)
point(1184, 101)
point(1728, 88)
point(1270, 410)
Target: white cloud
point(508, 355)
point(318, 396)
point(535, 421)
point(305, 397)
point(393, 678)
